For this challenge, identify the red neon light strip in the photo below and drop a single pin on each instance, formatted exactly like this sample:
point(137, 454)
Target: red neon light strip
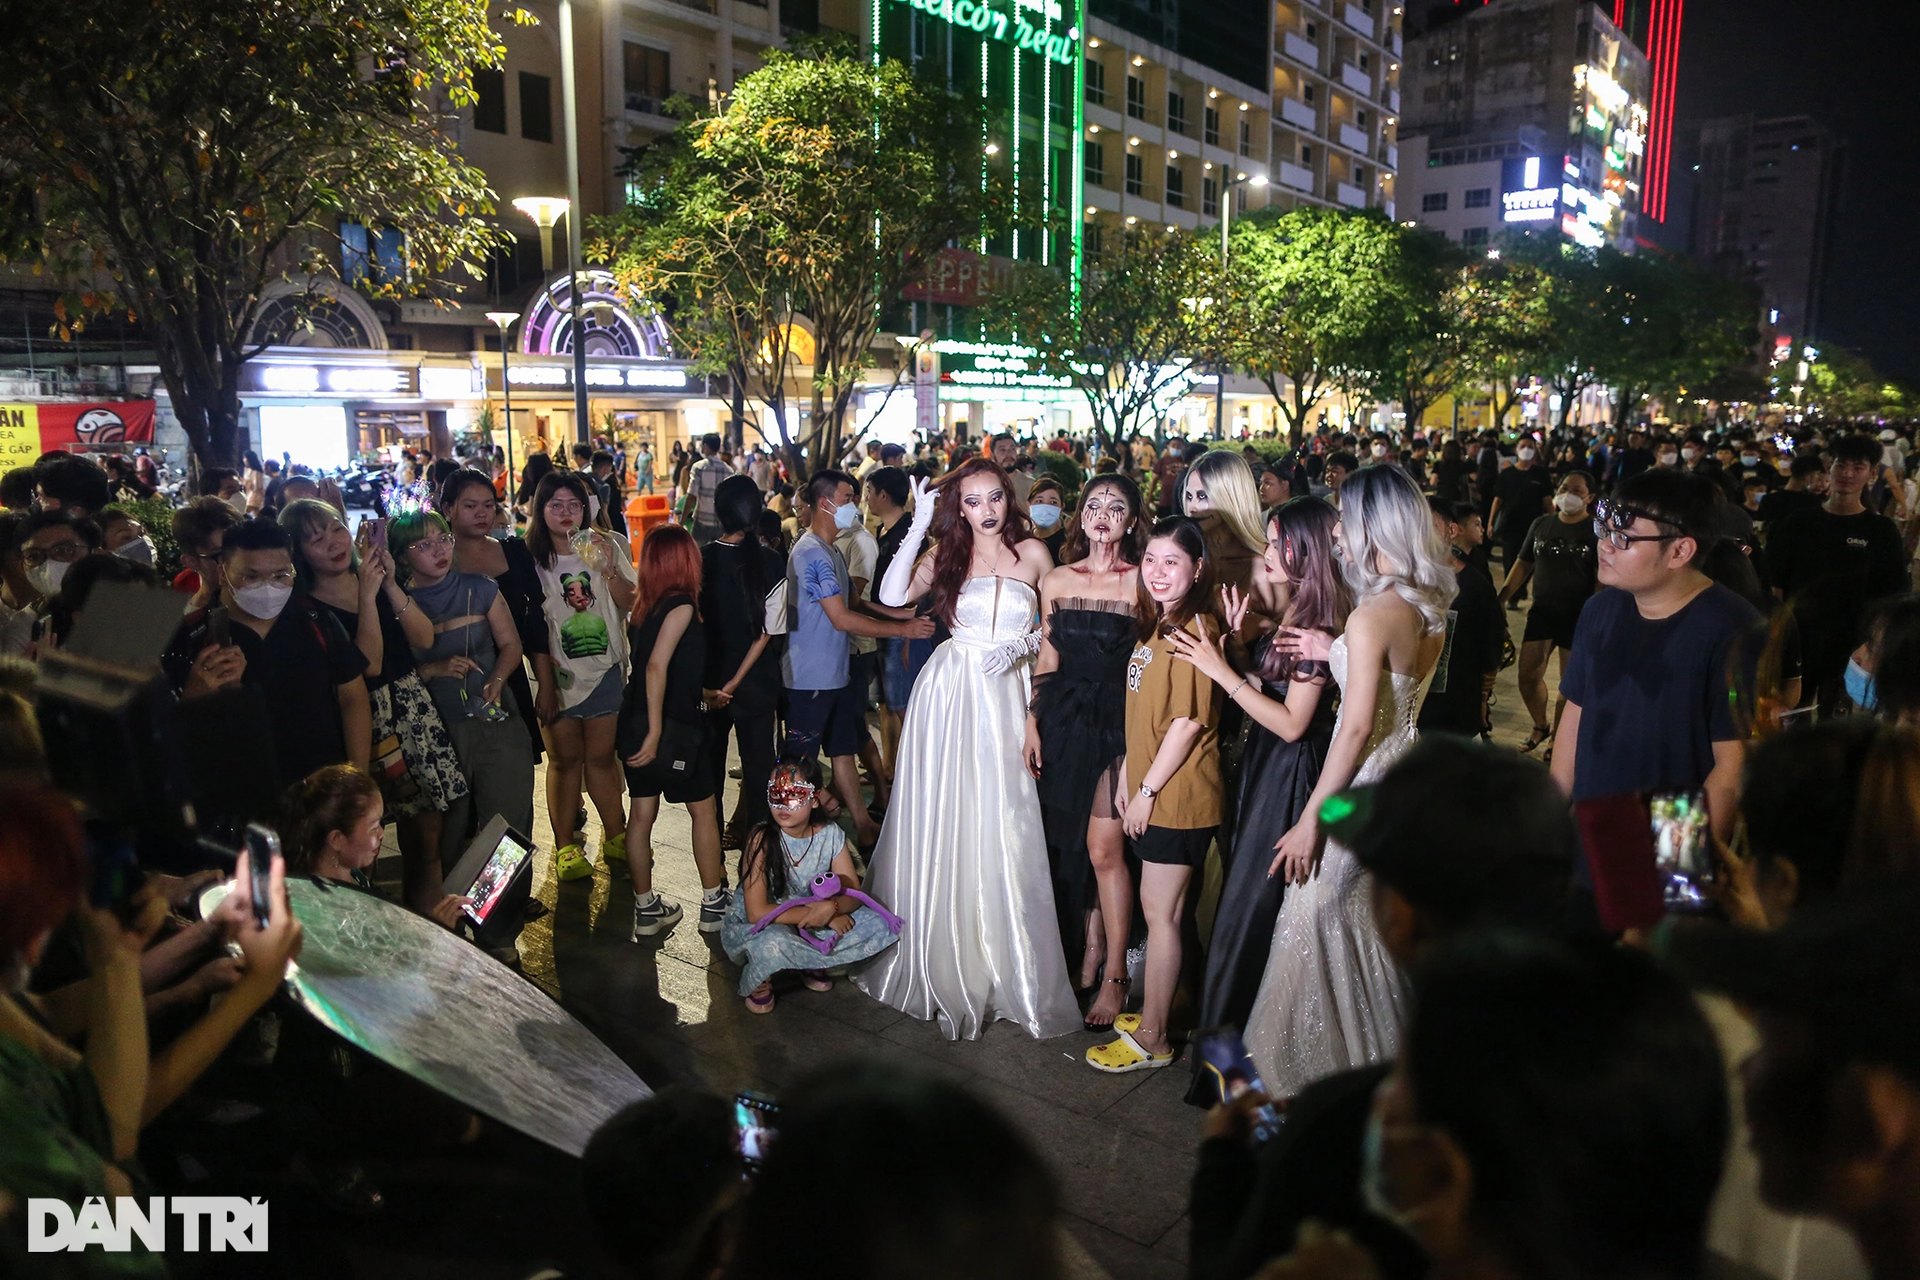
point(1664, 49)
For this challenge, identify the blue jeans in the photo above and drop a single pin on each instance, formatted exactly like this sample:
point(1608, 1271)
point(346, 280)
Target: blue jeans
point(901, 661)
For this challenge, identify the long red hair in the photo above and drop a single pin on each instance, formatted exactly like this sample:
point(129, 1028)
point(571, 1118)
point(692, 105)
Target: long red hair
point(669, 565)
point(43, 865)
point(953, 536)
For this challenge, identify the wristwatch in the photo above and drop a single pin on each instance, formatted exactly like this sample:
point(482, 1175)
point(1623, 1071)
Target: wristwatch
point(1147, 791)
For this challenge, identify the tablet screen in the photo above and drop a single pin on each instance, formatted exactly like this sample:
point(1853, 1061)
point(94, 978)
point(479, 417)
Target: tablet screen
point(506, 859)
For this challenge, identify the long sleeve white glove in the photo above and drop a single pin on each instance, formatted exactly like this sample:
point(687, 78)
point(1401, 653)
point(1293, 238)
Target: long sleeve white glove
point(1002, 658)
point(899, 577)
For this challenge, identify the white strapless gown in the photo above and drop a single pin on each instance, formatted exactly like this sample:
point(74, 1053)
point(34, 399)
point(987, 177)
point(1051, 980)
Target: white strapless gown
point(962, 858)
point(1331, 997)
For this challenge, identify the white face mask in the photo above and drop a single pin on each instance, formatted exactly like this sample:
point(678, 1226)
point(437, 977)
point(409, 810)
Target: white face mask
point(46, 577)
point(1749, 459)
point(845, 516)
point(140, 550)
point(1668, 459)
point(263, 600)
point(239, 502)
point(1569, 503)
point(1045, 515)
point(1690, 454)
point(1379, 451)
point(1524, 453)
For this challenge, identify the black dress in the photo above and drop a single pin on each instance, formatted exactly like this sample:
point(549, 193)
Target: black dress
point(1081, 710)
point(1276, 779)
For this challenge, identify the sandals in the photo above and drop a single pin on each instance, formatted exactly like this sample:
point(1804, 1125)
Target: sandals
point(1124, 1055)
point(1541, 733)
point(761, 1006)
point(1123, 984)
point(816, 980)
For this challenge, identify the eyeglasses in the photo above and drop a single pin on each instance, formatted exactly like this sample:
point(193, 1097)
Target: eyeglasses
point(279, 577)
point(438, 540)
point(1611, 520)
point(64, 552)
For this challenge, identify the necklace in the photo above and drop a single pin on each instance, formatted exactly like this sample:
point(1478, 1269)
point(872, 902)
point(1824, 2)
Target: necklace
point(805, 850)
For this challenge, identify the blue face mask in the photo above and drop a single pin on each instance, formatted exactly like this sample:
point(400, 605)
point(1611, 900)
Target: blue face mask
point(1860, 685)
point(1045, 515)
point(845, 516)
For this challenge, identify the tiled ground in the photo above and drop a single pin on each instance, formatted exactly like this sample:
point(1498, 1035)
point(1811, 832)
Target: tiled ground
point(1121, 1146)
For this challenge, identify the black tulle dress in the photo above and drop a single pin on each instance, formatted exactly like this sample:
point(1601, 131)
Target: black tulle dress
point(1081, 711)
point(1276, 779)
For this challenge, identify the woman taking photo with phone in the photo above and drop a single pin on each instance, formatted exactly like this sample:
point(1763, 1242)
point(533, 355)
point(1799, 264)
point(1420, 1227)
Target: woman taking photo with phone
point(587, 595)
point(413, 759)
point(1172, 805)
point(472, 508)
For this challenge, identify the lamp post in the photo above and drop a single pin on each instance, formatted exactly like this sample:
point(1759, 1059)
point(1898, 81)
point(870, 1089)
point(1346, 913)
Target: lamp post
point(547, 210)
point(504, 320)
point(1226, 210)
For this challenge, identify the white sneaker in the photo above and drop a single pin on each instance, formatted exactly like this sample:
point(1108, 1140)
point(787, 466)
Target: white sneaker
point(655, 917)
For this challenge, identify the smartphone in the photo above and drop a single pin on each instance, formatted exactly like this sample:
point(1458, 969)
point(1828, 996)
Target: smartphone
point(263, 846)
point(1683, 850)
point(375, 530)
point(1225, 1056)
point(219, 626)
point(756, 1123)
point(116, 873)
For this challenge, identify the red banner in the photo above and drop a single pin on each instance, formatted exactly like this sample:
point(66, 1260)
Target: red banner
point(28, 430)
point(961, 277)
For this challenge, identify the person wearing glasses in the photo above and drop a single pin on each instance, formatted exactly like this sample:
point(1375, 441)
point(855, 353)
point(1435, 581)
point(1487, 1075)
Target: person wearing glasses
point(1646, 685)
point(200, 530)
point(52, 542)
point(307, 669)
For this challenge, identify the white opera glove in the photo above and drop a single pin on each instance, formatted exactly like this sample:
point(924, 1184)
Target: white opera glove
point(899, 576)
point(1003, 658)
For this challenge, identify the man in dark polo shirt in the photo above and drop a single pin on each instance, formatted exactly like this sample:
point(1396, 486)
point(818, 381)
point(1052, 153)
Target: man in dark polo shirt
point(308, 671)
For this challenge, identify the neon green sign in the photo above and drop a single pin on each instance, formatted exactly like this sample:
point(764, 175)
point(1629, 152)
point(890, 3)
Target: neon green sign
point(1012, 28)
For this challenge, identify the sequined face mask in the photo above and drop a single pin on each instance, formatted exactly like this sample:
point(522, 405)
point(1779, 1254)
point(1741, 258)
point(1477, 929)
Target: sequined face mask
point(789, 794)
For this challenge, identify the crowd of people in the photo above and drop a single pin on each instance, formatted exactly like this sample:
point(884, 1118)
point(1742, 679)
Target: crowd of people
point(1142, 742)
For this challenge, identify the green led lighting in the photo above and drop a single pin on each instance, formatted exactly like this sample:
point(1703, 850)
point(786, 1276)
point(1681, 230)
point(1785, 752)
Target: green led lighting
point(1008, 28)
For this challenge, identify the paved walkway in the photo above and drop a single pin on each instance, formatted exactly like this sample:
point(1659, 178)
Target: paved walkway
point(1121, 1146)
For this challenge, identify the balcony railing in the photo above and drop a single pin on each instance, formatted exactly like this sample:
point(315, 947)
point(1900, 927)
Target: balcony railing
point(1357, 80)
point(1292, 175)
point(1301, 49)
point(1348, 194)
point(1299, 114)
point(1353, 139)
point(1357, 18)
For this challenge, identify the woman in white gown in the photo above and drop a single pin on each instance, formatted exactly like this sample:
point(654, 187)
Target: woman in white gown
point(962, 857)
point(1331, 997)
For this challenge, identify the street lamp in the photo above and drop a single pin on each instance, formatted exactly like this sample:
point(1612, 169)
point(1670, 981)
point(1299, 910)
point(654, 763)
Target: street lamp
point(545, 211)
point(504, 320)
point(1226, 210)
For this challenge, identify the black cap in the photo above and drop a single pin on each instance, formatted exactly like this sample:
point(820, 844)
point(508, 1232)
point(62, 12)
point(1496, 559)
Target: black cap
point(1473, 833)
point(1849, 964)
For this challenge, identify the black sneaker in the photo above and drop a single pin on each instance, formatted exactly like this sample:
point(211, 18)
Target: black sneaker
point(713, 910)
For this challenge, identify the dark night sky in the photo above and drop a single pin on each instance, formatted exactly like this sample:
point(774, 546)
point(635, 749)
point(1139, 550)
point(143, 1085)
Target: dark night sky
point(1850, 66)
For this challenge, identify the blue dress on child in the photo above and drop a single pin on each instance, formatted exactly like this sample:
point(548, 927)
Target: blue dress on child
point(779, 947)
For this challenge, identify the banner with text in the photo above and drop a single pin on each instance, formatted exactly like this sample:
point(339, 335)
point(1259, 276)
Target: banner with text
point(29, 430)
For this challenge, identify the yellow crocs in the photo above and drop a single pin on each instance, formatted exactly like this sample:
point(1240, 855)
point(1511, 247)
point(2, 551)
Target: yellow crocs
point(614, 848)
point(1118, 1057)
point(570, 863)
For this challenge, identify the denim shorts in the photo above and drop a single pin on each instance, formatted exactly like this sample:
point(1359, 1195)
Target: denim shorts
point(833, 720)
point(901, 661)
point(603, 701)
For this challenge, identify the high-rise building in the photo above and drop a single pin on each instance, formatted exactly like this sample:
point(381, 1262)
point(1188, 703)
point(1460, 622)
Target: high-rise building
point(1525, 115)
point(1654, 25)
point(1336, 103)
point(1763, 197)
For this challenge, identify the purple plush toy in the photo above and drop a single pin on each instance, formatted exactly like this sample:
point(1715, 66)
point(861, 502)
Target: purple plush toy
point(826, 887)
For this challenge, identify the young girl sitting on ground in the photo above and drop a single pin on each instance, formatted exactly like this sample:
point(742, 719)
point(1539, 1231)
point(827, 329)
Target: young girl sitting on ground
point(777, 871)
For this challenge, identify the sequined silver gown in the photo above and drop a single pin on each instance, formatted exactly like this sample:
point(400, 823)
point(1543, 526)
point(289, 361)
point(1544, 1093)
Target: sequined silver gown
point(1331, 997)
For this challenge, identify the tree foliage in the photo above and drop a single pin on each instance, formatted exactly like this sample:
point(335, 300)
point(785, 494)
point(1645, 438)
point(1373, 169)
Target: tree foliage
point(789, 216)
point(1126, 341)
point(175, 160)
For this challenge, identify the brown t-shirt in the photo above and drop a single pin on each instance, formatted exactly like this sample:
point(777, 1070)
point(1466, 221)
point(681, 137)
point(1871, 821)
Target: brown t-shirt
point(1160, 690)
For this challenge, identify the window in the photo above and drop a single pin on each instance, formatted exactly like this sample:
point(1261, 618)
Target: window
point(1136, 177)
point(1096, 83)
point(1474, 235)
point(1096, 164)
point(1313, 31)
point(374, 258)
point(536, 107)
point(1306, 155)
point(1246, 138)
point(1176, 112)
point(1433, 202)
point(1209, 197)
point(1364, 64)
point(1210, 122)
point(1477, 198)
point(1136, 97)
point(490, 102)
point(1176, 187)
point(1306, 93)
point(647, 81)
point(1360, 118)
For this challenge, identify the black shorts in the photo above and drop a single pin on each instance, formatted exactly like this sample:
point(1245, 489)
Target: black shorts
point(1174, 846)
point(696, 786)
point(1557, 625)
point(830, 720)
point(862, 668)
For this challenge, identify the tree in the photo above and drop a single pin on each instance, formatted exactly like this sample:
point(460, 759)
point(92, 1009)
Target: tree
point(817, 189)
point(1512, 332)
point(1304, 301)
point(1126, 341)
point(1437, 306)
point(174, 160)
